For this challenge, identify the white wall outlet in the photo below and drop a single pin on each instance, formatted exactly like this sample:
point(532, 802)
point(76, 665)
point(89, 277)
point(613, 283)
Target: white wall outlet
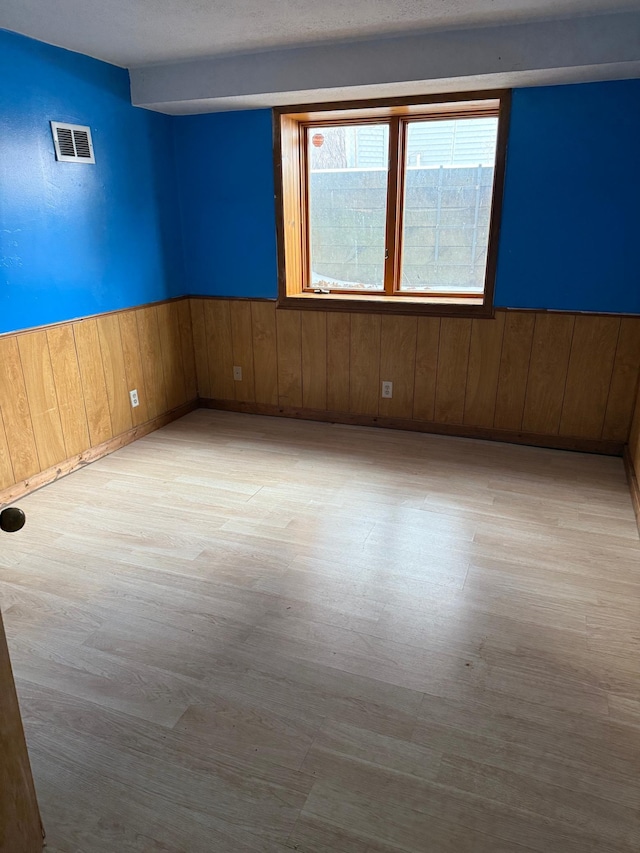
point(134, 398)
point(237, 374)
point(387, 389)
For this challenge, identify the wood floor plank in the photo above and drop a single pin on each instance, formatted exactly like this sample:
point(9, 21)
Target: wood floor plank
point(217, 789)
point(246, 728)
point(338, 743)
point(385, 823)
point(580, 810)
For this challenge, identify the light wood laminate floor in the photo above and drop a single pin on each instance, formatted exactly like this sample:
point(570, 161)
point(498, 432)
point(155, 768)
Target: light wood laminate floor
point(262, 635)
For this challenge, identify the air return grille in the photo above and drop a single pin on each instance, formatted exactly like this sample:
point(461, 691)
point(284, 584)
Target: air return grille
point(72, 143)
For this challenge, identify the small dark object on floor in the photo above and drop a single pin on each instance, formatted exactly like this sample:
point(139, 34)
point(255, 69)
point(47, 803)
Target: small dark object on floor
point(12, 519)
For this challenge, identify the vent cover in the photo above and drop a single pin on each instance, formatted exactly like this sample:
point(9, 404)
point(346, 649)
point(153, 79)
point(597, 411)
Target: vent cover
point(72, 143)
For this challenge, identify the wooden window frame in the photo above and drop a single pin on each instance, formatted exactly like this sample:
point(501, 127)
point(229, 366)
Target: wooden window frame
point(290, 125)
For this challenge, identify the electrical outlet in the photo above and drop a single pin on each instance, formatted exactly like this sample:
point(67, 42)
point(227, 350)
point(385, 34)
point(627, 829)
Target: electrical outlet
point(387, 389)
point(237, 374)
point(134, 398)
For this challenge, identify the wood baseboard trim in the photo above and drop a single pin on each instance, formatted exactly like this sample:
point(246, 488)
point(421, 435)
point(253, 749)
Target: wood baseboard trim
point(632, 479)
point(555, 442)
point(32, 484)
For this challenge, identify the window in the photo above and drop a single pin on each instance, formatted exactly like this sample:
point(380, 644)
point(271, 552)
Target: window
point(391, 206)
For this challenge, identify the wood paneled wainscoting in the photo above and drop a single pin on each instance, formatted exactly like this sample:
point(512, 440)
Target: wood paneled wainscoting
point(551, 379)
point(555, 380)
point(64, 389)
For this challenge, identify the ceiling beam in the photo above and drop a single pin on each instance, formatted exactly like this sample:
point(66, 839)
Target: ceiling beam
point(590, 48)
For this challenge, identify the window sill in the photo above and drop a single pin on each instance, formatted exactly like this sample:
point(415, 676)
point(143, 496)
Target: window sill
point(429, 305)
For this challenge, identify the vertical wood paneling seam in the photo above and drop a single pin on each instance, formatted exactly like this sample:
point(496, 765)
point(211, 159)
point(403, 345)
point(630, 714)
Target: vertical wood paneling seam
point(154, 313)
point(351, 316)
point(164, 378)
point(495, 396)
point(415, 369)
point(84, 401)
point(275, 322)
point(526, 388)
point(613, 367)
point(253, 349)
point(26, 396)
point(301, 366)
point(349, 366)
point(175, 322)
point(326, 366)
point(524, 399)
point(193, 347)
point(636, 403)
point(104, 378)
point(206, 345)
point(435, 384)
point(466, 374)
point(299, 357)
point(147, 381)
point(55, 390)
point(104, 371)
point(379, 388)
point(301, 361)
point(566, 376)
point(9, 459)
point(135, 315)
point(326, 363)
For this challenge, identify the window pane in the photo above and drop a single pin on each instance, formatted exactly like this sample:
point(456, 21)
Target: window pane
point(448, 192)
point(348, 168)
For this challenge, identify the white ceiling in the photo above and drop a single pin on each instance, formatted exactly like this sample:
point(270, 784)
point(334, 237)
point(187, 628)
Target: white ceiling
point(140, 32)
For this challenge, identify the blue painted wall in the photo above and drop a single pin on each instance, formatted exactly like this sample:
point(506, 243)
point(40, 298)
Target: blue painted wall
point(80, 239)
point(571, 215)
point(571, 218)
point(225, 175)
point(142, 225)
